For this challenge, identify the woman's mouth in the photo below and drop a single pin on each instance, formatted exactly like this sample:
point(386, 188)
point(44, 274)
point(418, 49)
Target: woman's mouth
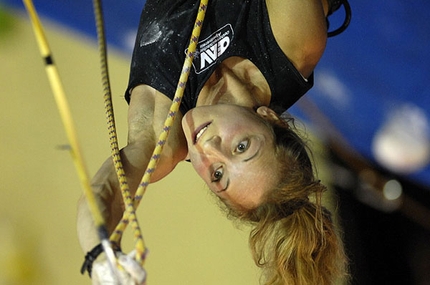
point(199, 131)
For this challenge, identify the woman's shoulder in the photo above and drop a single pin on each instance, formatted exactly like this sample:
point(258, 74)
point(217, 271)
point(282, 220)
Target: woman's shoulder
point(299, 28)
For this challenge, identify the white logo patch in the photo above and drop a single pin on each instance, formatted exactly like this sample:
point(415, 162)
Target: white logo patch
point(211, 48)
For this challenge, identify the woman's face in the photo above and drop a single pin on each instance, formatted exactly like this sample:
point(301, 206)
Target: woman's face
point(232, 150)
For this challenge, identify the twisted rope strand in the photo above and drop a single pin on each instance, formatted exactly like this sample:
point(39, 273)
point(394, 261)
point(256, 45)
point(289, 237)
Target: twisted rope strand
point(130, 205)
point(170, 117)
point(69, 126)
point(113, 138)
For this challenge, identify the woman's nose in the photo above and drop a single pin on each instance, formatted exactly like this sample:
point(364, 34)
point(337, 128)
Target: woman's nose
point(213, 147)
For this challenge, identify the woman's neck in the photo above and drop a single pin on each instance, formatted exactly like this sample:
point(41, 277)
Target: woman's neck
point(236, 81)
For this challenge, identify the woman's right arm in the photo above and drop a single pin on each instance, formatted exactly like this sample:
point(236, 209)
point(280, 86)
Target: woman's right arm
point(146, 115)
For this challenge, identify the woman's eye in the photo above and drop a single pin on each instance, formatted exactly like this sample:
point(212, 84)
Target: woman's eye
point(217, 175)
point(242, 146)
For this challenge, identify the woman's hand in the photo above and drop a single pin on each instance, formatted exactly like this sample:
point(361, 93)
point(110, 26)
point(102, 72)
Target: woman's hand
point(130, 274)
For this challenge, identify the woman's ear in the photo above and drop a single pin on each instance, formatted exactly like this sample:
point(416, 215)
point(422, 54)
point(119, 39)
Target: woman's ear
point(267, 113)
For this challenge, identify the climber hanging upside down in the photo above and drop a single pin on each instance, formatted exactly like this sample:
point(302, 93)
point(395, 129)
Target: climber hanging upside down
point(254, 60)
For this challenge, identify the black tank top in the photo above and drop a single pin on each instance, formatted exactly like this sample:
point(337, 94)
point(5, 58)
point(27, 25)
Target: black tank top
point(231, 28)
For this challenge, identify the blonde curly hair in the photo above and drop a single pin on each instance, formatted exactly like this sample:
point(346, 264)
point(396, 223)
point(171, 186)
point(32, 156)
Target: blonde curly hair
point(294, 239)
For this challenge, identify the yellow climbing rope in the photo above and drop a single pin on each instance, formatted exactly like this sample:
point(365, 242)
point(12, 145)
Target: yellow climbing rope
point(169, 120)
point(110, 118)
point(56, 85)
point(69, 126)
